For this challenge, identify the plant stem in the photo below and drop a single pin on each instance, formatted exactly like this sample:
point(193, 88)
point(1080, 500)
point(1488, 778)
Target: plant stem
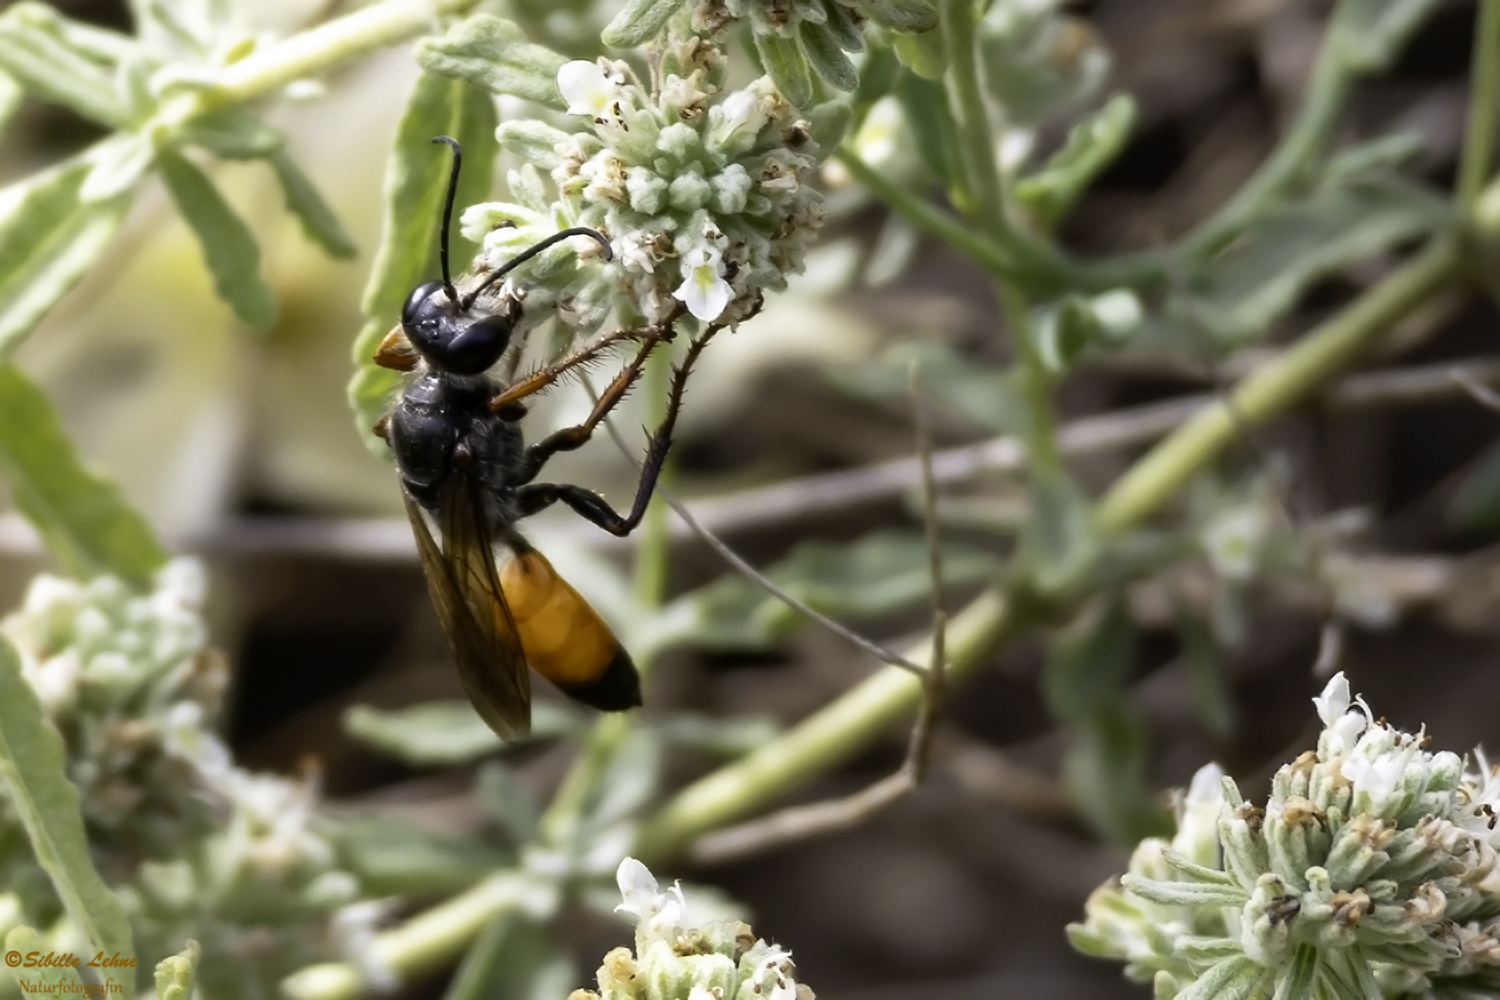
point(1322, 353)
point(1484, 105)
point(843, 728)
point(1326, 91)
point(427, 941)
point(309, 53)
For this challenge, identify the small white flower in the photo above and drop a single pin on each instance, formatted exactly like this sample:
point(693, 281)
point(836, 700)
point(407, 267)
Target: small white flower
point(651, 909)
point(586, 89)
point(1198, 816)
point(1380, 776)
point(1334, 701)
point(184, 737)
point(1232, 541)
point(703, 288)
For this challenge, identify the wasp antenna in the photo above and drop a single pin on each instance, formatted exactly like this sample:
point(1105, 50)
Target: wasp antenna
point(458, 159)
point(531, 252)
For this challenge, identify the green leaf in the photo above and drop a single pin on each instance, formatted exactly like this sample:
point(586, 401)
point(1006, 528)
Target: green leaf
point(443, 733)
point(303, 200)
point(36, 49)
point(1369, 34)
point(229, 248)
point(639, 22)
point(33, 767)
point(494, 55)
point(532, 141)
point(1236, 978)
point(392, 856)
point(56, 980)
point(175, 973)
point(984, 396)
point(901, 15)
point(513, 958)
point(1037, 63)
point(1293, 245)
point(506, 800)
point(718, 737)
point(49, 238)
point(628, 783)
point(928, 115)
point(119, 163)
point(1206, 673)
point(786, 64)
point(824, 54)
point(1090, 661)
point(924, 54)
point(232, 134)
point(1092, 145)
point(847, 33)
point(1058, 548)
point(11, 96)
point(828, 123)
point(1185, 893)
point(1301, 982)
point(415, 181)
point(1105, 771)
point(83, 519)
point(431, 734)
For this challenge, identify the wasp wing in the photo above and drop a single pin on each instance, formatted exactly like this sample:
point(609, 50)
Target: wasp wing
point(466, 593)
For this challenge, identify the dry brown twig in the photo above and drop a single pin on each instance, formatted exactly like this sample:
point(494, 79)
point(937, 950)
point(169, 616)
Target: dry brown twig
point(832, 815)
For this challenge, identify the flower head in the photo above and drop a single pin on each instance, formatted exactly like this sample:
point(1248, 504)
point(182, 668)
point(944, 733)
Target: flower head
point(701, 190)
point(680, 959)
point(1371, 853)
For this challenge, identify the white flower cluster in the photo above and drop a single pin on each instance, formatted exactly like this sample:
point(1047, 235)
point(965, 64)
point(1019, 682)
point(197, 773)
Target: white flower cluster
point(701, 191)
point(1370, 872)
point(678, 959)
point(128, 679)
point(236, 860)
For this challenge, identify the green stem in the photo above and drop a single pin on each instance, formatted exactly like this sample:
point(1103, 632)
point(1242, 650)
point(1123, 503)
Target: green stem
point(970, 112)
point(925, 216)
point(1484, 105)
point(842, 729)
point(426, 942)
point(309, 53)
point(1328, 349)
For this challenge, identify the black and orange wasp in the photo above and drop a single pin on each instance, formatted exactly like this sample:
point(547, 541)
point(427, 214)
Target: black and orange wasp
point(456, 438)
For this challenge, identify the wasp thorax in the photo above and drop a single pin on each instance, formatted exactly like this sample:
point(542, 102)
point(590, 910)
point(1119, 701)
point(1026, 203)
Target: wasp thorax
point(451, 338)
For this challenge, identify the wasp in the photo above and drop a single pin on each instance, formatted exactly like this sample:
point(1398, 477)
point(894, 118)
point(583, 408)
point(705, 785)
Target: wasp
point(455, 434)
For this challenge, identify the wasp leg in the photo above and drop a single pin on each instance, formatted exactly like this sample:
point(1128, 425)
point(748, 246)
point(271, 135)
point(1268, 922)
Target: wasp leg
point(594, 508)
point(539, 380)
point(570, 438)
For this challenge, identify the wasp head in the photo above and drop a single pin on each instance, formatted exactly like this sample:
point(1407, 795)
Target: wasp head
point(449, 336)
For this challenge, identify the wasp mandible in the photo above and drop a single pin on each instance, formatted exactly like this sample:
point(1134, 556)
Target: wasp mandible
point(456, 438)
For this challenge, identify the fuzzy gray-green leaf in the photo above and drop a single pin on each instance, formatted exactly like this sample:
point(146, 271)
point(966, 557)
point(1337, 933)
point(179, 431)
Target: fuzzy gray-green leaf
point(231, 134)
point(81, 516)
point(303, 200)
point(33, 768)
point(493, 54)
point(425, 735)
point(1370, 34)
point(415, 180)
point(1295, 244)
point(901, 15)
point(49, 238)
point(1092, 145)
point(825, 56)
point(229, 248)
point(1184, 893)
point(829, 122)
point(786, 65)
point(175, 973)
point(35, 49)
point(639, 22)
